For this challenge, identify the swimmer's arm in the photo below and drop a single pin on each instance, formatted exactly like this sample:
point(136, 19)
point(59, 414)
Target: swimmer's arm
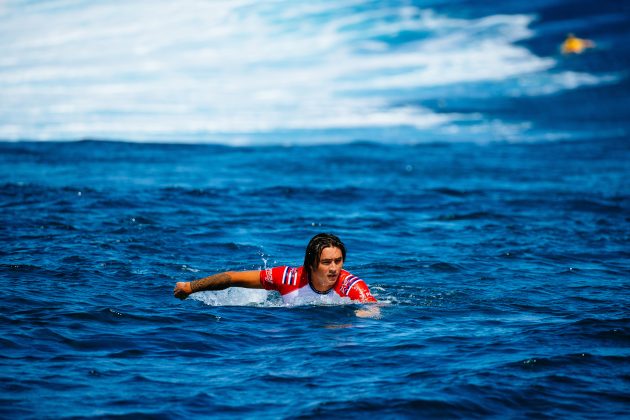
point(248, 279)
point(361, 293)
point(370, 311)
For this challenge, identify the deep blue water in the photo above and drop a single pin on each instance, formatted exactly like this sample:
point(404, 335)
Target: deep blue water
point(478, 177)
point(504, 272)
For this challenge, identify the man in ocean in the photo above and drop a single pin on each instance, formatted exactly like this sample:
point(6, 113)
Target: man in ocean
point(320, 280)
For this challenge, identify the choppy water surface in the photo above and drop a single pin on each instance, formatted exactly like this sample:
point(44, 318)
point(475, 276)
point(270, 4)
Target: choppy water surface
point(503, 271)
point(478, 177)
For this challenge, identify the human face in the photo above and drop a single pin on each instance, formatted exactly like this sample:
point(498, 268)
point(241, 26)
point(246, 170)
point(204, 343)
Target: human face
point(327, 272)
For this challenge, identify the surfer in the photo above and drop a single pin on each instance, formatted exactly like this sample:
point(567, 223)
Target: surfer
point(575, 45)
point(321, 279)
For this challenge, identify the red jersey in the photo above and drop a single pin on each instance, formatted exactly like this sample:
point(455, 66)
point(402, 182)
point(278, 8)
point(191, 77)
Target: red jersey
point(293, 285)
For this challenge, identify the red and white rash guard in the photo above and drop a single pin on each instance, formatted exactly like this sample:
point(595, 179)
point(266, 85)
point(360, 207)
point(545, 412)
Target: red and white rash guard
point(293, 285)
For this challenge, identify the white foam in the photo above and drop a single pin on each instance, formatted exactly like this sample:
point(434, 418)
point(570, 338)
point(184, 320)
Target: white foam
point(194, 70)
point(236, 297)
point(549, 84)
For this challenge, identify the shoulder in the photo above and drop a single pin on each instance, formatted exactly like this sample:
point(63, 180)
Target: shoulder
point(283, 275)
point(347, 281)
point(354, 287)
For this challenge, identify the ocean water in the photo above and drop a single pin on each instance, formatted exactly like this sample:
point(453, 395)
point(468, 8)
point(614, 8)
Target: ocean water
point(478, 177)
point(503, 271)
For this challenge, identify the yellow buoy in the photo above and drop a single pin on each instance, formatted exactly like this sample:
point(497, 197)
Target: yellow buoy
point(575, 45)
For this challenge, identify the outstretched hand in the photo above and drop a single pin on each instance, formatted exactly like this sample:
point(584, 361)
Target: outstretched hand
point(371, 311)
point(182, 290)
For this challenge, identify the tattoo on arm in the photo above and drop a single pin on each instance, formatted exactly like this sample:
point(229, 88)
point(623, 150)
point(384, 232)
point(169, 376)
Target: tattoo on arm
point(216, 282)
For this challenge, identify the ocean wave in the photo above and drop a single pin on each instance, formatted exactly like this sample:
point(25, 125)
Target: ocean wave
point(245, 72)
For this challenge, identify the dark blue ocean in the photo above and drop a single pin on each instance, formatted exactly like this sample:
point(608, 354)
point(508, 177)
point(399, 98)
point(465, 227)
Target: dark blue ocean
point(478, 177)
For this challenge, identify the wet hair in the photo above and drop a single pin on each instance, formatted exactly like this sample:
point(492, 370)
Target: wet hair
point(316, 246)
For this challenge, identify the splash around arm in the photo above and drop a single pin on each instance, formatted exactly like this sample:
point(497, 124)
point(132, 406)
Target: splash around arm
point(220, 281)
